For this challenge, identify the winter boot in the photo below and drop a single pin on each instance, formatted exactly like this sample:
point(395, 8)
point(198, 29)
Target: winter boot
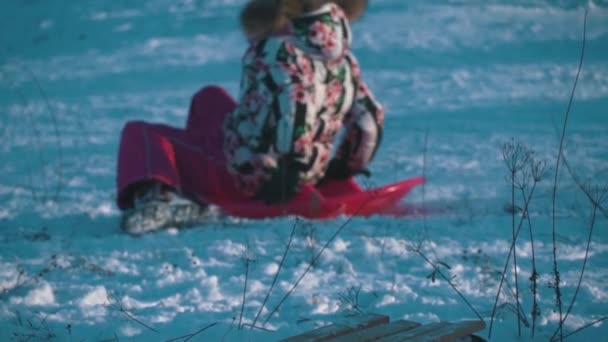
point(156, 208)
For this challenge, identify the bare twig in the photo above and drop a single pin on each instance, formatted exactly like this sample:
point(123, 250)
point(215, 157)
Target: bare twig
point(133, 318)
point(55, 128)
point(350, 299)
point(558, 294)
point(449, 281)
point(276, 275)
point(535, 312)
point(35, 331)
point(511, 250)
point(229, 329)
point(127, 314)
point(424, 209)
point(424, 161)
point(310, 265)
point(18, 283)
point(38, 143)
point(247, 260)
point(190, 336)
point(516, 156)
point(313, 262)
point(538, 172)
point(585, 327)
point(600, 197)
point(251, 326)
point(581, 185)
point(580, 279)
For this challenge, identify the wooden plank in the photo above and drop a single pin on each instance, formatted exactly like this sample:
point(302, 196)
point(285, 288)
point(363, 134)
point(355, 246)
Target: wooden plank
point(452, 331)
point(440, 332)
point(412, 334)
point(377, 332)
point(471, 338)
point(345, 326)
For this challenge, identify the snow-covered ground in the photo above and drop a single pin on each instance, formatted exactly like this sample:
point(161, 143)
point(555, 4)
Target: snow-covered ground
point(458, 79)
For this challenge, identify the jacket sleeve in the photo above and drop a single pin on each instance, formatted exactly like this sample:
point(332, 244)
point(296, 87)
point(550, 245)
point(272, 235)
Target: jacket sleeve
point(287, 129)
point(251, 148)
point(363, 130)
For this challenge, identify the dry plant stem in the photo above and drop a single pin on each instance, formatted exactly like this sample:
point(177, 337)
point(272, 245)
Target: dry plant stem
point(18, 283)
point(55, 128)
point(424, 211)
point(312, 262)
point(424, 152)
point(521, 316)
point(515, 251)
point(131, 317)
point(45, 196)
point(128, 315)
point(229, 329)
point(516, 157)
point(502, 278)
point(276, 275)
point(449, 281)
point(586, 326)
point(558, 294)
point(537, 173)
point(534, 277)
point(580, 279)
point(190, 336)
point(200, 331)
point(581, 186)
point(38, 144)
point(244, 293)
point(350, 298)
point(251, 326)
point(37, 332)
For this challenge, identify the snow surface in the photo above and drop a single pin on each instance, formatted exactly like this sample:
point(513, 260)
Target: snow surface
point(458, 79)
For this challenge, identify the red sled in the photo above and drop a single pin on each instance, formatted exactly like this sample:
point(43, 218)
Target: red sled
point(329, 200)
point(192, 159)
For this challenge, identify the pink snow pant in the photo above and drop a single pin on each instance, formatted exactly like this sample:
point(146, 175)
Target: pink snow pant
point(190, 160)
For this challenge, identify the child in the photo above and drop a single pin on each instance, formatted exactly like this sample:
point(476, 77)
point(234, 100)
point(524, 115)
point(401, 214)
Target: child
point(300, 86)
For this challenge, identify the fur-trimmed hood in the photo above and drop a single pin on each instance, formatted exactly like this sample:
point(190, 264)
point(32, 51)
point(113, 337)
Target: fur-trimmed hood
point(322, 34)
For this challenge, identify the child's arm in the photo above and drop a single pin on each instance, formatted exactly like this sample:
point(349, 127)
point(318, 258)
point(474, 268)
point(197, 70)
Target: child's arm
point(299, 158)
point(364, 127)
point(273, 128)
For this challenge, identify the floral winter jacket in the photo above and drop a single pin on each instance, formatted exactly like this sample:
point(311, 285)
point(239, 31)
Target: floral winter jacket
point(297, 92)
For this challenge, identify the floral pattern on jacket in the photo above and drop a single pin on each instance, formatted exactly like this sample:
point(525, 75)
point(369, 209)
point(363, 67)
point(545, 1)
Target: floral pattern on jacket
point(297, 92)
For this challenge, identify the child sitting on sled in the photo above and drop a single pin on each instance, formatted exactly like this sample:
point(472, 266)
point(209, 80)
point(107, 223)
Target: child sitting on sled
point(300, 86)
